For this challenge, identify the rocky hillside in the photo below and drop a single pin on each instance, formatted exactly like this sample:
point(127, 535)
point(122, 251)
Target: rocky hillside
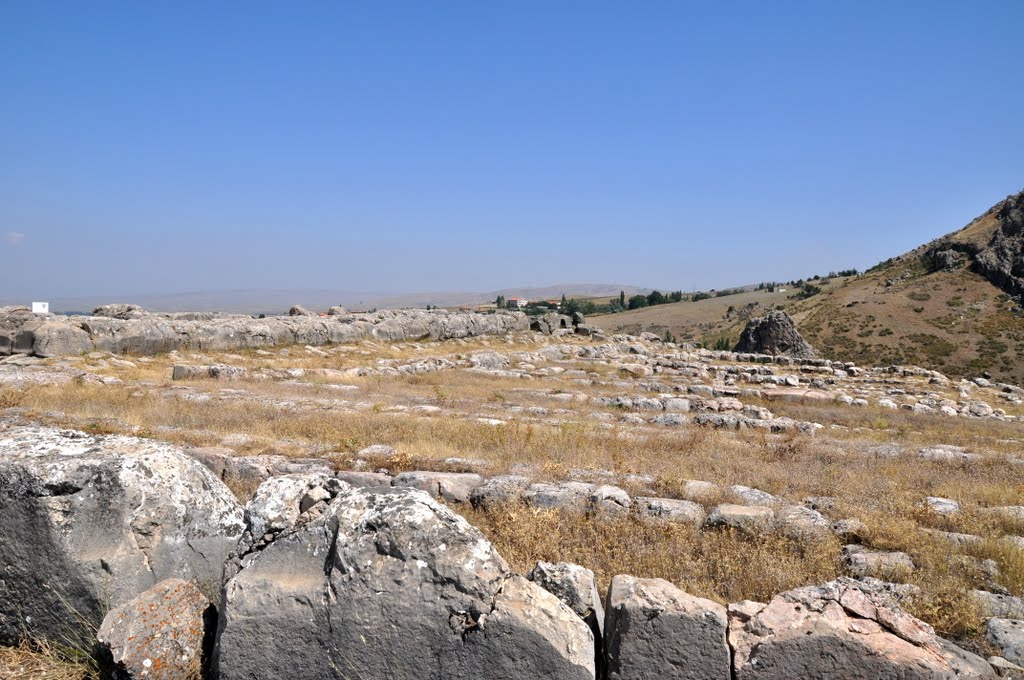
point(951, 305)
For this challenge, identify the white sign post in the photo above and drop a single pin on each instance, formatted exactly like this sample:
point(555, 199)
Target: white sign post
point(40, 307)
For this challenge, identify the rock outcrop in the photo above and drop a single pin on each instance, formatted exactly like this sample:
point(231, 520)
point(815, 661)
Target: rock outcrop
point(775, 334)
point(389, 583)
point(1002, 260)
point(128, 329)
point(88, 522)
point(120, 311)
point(842, 629)
point(551, 322)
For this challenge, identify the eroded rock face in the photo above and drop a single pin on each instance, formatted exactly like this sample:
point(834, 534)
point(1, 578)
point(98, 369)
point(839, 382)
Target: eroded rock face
point(775, 333)
point(280, 501)
point(158, 634)
point(842, 629)
point(389, 583)
point(655, 630)
point(1001, 262)
point(90, 521)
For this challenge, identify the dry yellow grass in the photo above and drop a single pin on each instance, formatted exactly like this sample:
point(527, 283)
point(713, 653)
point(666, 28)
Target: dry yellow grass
point(43, 661)
point(721, 565)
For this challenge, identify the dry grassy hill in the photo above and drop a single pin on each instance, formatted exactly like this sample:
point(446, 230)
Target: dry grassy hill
point(948, 305)
point(701, 321)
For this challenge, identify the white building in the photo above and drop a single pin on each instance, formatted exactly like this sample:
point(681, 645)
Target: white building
point(516, 302)
point(40, 307)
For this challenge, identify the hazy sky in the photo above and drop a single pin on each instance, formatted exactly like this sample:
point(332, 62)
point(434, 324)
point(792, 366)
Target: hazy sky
point(159, 147)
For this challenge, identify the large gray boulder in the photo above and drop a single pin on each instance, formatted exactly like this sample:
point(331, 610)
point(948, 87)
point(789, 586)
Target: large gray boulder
point(775, 333)
point(842, 629)
point(655, 630)
point(88, 522)
point(52, 337)
point(389, 583)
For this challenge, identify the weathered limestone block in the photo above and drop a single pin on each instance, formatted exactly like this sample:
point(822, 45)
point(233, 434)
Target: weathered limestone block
point(860, 561)
point(655, 630)
point(390, 583)
point(499, 490)
point(747, 518)
point(670, 510)
point(454, 487)
point(92, 521)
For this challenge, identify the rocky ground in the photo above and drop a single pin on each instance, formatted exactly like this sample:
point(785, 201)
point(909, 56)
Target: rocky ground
point(738, 479)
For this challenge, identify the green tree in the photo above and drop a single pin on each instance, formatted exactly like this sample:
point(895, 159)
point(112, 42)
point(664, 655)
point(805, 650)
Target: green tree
point(637, 301)
point(500, 302)
point(622, 299)
point(655, 297)
point(676, 296)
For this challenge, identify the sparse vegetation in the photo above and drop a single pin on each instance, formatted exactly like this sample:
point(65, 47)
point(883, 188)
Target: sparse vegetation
point(45, 661)
point(807, 289)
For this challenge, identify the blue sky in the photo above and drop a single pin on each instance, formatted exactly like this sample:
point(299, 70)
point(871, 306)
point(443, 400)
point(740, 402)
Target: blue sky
point(162, 147)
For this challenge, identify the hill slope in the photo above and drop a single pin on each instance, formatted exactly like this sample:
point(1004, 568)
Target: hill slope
point(952, 305)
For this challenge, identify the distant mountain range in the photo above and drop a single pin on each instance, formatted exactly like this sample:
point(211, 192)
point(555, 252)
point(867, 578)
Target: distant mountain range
point(276, 301)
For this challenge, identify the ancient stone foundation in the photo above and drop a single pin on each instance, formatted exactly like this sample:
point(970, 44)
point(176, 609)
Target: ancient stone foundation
point(317, 577)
